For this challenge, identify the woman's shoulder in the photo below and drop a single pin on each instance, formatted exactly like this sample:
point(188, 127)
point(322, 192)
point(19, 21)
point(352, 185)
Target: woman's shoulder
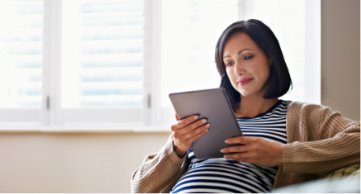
point(298, 108)
point(304, 105)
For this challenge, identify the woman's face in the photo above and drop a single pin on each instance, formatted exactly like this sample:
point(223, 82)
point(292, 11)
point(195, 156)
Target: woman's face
point(247, 66)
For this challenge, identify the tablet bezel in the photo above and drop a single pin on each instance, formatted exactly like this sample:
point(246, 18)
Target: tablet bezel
point(212, 104)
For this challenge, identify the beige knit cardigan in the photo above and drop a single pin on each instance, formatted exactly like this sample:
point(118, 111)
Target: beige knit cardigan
point(318, 141)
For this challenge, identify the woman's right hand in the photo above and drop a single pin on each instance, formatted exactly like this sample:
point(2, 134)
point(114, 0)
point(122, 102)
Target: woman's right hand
point(186, 131)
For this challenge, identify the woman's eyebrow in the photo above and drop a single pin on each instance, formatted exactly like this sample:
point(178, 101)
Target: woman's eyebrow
point(238, 53)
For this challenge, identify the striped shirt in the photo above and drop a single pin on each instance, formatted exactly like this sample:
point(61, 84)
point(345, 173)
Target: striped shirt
point(224, 175)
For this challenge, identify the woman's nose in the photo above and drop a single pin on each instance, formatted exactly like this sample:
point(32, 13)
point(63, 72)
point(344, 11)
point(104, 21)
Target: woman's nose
point(239, 68)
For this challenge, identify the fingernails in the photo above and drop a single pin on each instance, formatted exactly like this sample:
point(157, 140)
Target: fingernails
point(204, 120)
point(222, 150)
point(208, 125)
point(227, 141)
point(195, 117)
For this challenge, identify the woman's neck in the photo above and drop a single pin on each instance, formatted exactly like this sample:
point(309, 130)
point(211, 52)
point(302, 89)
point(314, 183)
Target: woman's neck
point(252, 106)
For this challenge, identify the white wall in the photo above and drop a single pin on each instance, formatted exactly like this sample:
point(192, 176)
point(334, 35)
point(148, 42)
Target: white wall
point(103, 162)
point(37, 162)
point(340, 56)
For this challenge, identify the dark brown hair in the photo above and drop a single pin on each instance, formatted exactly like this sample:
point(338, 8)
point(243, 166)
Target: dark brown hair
point(279, 81)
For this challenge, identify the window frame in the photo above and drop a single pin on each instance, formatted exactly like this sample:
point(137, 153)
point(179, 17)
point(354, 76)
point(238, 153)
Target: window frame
point(51, 116)
point(58, 116)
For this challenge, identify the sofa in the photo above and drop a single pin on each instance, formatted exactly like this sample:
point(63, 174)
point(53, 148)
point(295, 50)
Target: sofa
point(344, 180)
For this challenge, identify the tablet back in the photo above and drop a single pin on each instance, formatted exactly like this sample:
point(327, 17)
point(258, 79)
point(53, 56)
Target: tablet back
point(213, 105)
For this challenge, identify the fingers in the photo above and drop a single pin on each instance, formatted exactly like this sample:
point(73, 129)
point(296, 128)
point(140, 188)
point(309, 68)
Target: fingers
point(194, 132)
point(239, 148)
point(192, 125)
point(239, 152)
point(241, 140)
point(186, 131)
point(184, 122)
point(191, 128)
point(244, 157)
point(198, 133)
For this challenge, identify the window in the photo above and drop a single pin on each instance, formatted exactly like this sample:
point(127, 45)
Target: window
point(102, 61)
point(21, 55)
point(112, 63)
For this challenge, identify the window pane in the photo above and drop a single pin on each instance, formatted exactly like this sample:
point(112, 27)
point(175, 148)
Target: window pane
point(21, 53)
point(190, 30)
point(102, 53)
point(287, 20)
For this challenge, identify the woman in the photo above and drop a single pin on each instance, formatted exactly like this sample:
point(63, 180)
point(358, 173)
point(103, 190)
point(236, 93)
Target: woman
point(284, 142)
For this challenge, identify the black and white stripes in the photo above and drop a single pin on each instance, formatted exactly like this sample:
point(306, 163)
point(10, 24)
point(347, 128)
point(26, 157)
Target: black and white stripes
point(223, 175)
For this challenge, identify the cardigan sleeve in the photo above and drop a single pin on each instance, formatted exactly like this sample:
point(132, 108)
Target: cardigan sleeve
point(320, 140)
point(159, 172)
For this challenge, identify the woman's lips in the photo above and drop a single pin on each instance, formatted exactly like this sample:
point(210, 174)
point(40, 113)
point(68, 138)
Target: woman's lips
point(245, 81)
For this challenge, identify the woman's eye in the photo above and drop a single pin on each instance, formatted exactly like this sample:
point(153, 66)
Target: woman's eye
point(229, 64)
point(248, 57)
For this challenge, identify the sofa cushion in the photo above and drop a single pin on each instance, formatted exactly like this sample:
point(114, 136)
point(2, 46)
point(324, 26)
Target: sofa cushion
point(353, 170)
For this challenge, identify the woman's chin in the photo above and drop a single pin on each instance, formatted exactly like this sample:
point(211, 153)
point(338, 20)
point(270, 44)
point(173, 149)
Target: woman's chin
point(247, 94)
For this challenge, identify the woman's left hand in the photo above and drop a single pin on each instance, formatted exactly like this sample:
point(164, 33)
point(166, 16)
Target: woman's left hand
point(254, 150)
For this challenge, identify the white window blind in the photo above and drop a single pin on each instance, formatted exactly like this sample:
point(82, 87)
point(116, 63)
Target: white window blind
point(102, 60)
point(21, 44)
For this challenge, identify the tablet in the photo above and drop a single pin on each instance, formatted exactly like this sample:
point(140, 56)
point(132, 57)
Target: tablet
point(212, 104)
